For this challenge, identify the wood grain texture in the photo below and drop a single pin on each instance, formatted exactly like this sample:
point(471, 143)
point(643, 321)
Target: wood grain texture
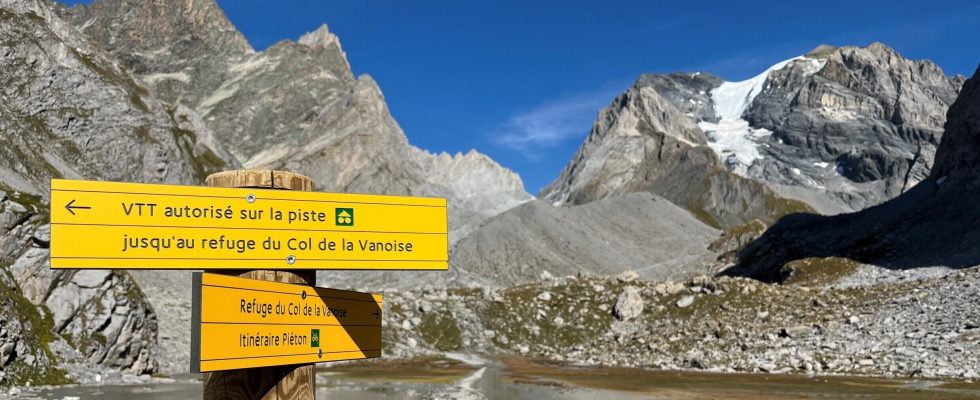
point(288, 382)
point(260, 178)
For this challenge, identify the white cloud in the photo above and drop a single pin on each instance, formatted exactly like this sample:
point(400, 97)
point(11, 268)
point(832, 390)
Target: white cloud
point(554, 122)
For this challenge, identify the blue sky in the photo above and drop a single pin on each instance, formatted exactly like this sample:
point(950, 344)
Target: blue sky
point(522, 81)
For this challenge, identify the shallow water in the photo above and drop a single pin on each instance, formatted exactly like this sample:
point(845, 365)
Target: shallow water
point(152, 391)
point(467, 377)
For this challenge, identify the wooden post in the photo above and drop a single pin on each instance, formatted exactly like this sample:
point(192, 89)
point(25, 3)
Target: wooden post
point(292, 382)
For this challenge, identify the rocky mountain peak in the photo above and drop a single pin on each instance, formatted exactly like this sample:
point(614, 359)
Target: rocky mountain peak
point(821, 51)
point(644, 142)
point(839, 129)
point(957, 156)
point(611, 161)
point(931, 224)
point(858, 130)
point(882, 49)
point(322, 40)
point(320, 37)
point(295, 105)
point(471, 173)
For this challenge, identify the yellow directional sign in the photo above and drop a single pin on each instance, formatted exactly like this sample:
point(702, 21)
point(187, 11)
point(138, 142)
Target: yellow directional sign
point(129, 225)
point(246, 323)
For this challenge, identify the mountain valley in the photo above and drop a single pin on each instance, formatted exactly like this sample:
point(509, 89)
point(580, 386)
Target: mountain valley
point(815, 218)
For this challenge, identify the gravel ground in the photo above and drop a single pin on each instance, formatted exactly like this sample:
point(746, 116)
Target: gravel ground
point(922, 323)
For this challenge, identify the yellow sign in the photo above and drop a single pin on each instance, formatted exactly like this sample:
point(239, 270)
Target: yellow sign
point(129, 225)
point(245, 323)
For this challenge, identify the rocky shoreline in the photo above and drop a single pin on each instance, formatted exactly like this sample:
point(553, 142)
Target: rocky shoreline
point(914, 323)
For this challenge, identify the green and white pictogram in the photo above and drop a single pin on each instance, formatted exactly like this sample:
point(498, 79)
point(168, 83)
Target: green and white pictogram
point(344, 216)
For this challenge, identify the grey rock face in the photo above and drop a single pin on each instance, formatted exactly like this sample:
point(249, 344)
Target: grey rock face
point(643, 142)
point(929, 225)
point(957, 158)
point(166, 292)
point(478, 188)
point(22, 353)
point(183, 56)
point(118, 330)
point(68, 111)
point(102, 312)
point(689, 93)
point(860, 130)
point(639, 138)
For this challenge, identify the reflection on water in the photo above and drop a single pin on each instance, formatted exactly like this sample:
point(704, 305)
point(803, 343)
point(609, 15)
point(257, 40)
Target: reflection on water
point(515, 378)
point(154, 391)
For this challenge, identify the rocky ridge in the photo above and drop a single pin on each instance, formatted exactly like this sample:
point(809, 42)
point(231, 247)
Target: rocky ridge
point(295, 106)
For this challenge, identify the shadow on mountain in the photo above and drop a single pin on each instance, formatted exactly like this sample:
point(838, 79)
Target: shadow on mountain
point(931, 225)
point(936, 223)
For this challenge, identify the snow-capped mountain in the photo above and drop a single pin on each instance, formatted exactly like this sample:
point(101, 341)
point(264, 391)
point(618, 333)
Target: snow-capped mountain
point(932, 224)
point(839, 129)
point(851, 127)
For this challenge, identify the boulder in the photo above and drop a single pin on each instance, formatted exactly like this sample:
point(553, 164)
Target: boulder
point(685, 301)
point(627, 276)
point(629, 305)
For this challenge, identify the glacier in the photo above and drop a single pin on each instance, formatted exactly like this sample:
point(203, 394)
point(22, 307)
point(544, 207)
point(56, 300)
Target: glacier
point(731, 137)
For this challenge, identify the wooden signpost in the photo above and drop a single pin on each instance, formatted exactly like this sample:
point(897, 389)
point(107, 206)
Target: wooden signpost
point(245, 323)
point(259, 323)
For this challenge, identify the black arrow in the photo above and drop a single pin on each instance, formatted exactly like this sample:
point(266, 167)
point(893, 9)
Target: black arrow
point(71, 208)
